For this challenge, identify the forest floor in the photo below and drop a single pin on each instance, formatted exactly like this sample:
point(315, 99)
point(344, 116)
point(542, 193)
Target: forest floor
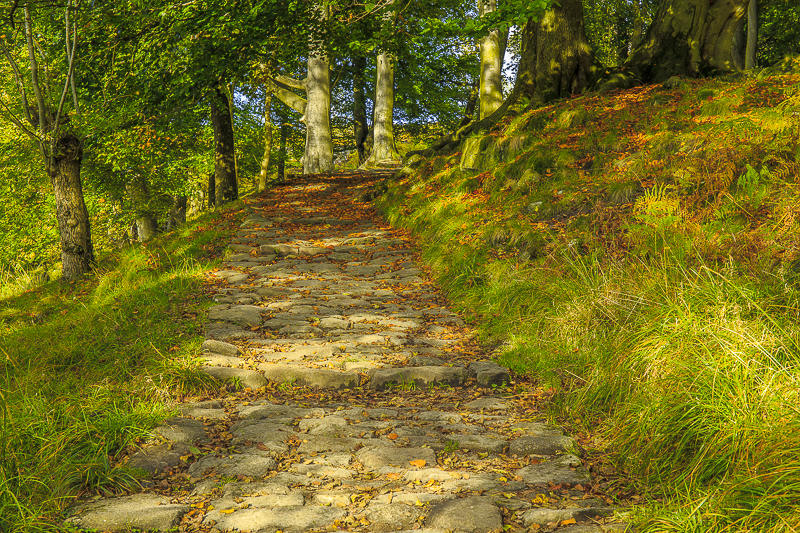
point(353, 398)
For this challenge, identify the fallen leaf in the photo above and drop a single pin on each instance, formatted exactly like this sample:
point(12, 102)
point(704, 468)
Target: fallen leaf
point(392, 436)
point(419, 463)
point(568, 522)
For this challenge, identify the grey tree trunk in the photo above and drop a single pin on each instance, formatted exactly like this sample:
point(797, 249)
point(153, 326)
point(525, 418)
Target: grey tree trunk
point(318, 156)
point(74, 229)
point(360, 126)
point(226, 188)
point(491, 74)
point(384, 151)
point(556, 58)
point(282, 152)
point(264, 173)
point(146, 224)
point(177, 214)
point(752, 35)
point(689, 37)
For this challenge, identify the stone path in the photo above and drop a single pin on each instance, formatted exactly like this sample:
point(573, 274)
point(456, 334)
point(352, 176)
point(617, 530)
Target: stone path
point(357, 401)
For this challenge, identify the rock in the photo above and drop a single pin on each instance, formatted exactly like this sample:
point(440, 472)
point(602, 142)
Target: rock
point(541, 445)
point(310, 377)
point(416, 375)
point(158, 458)
point(247, 378)
point(374, 457)
point(278, 249)
point(288, 519)
point(476, 514)
point(139, 511)
point(488, 404)
point(177, 429)
point(222, 348)
point(479, 443)
point(329, 497)
point(240, 464)
point(543, 516)
point(391, 517)
point(214, 359)
point(242, 315)
point(489, 373)
point(558, 472)
point(271, 436)
point(334, 323)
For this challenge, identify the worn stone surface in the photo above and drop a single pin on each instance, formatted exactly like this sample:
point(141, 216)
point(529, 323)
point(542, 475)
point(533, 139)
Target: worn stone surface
point(476, 514)
point(369, 405)
point(247, 378)
point(139, 511)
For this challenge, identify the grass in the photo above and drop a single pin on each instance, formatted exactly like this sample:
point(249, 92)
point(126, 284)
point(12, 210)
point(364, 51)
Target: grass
point(89, 367)
point(646, 268)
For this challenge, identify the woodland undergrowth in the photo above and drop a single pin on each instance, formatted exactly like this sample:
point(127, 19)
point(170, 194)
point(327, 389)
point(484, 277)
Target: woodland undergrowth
point(638, 251)
point(89, 367)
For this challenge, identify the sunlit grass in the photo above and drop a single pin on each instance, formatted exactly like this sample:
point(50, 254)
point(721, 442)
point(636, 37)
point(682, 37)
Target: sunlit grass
point(652, 280)
point(90, 366)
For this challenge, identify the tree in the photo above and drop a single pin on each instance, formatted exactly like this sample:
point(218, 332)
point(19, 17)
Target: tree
point(752, 35)
point(265, 160)
point(556, 59)
point(492, 49)
point(689, 37)
point(226, 187)
point(318, 156)
point(360, 126)
point(47, 122)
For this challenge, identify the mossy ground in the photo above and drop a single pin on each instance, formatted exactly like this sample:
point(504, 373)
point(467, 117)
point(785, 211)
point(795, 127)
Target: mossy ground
point(90, 366)
point(638, 251)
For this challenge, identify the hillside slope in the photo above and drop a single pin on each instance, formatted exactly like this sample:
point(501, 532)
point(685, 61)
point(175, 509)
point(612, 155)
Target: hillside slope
point(638, 251)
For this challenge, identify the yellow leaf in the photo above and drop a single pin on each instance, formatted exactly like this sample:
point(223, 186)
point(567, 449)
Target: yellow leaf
point(568, 522)
point(419, 463)
point(226, 511)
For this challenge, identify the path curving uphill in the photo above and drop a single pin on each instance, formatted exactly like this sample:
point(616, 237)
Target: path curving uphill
point(358, 401)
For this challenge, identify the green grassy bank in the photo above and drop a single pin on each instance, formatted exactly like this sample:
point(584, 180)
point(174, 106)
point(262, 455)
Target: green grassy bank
point(90, 366)
point(640, 251)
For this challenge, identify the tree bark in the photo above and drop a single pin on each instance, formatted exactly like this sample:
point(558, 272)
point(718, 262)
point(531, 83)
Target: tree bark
point(177, 214)
point(384, 151)
point(74, 228)
point(264, 173)
point(491, 74)
point(212, 194)
point(318, 156)
point(146, 224)
point(226, 188)
point(282, 152)
point(752, 35)
point(689, 37)
point(556, 58)
point(360, 126)
point(469, 109)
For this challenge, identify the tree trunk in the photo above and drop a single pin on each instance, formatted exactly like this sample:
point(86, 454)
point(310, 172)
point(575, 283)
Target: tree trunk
point(212, 194)
point(264, 173)
point(74, 228)
point(384, 151)
point(689, 37)
point(360, 127)
point(177, 214)
point(469, 109)
point(491, 75)
point(752, 35)
point(318, 156)
point(226, 188)
point(282, 152)
point(556, 58)
point(146, 224)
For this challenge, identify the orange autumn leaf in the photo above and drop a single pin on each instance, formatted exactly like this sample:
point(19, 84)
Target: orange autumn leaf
point(392, 436)
point(568, 522)
point(419, 463)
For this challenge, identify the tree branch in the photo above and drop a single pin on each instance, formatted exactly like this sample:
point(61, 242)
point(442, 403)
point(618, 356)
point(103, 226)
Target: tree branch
point(20, 84)
point(37, 89)
point(65, 90)
point(291, 99)
point(291, 83)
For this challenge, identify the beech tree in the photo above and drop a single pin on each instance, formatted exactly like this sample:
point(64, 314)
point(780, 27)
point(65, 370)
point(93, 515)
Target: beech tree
point(556, 59)
point(40, 48)
point(492, 49)
point(689, 37)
